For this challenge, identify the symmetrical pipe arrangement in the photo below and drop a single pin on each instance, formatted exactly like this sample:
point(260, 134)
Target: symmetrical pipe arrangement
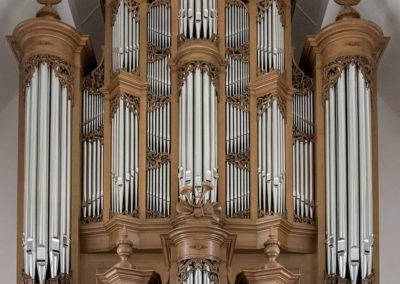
point(270, 38)
point(198, 133)
point(93, 147)
point(237, 114)
point(271, 156)
point(125, 37)
point(349, 207)
point(198, 18)
point(47, 168)
point(159, 109)
point(198, 277)
point(124, 164)
point(303, 147)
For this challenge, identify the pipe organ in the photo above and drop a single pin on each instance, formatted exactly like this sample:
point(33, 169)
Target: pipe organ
point(198, 141)
point(93, 146)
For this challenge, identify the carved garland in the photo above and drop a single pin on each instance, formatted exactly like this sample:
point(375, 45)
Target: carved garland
point(236, 3)
point(132, 6)
point(239, 101)
point(155, 53)
point(241, 159)
point(188, 266)
point(334, 69)
point(132, 102)
point(157, 3)
point(265, 102)
point(301, 82)
point(190, 67)
point(62, 69)
point(264, 5)
point(156, 159)
point(239, 53)
point(155, 101)
point(95, 81)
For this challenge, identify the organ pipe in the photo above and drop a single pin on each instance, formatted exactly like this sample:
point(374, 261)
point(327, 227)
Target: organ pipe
point(237, 114)
point(93, 146)
point(349, 198)
point(47, 173)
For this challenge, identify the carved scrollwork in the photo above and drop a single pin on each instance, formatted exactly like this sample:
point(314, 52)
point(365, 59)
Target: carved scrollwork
point(301, 82)
point(239, 101)
point(157, 3)
point(262, 213)
point(182, 39)
point(155, 53)
point(61, 278)
point(151, 214)
point(188, 266)
point(336, 279)
point(237, 3)
point(92, 219)
point(185, 69)
point(264, 5)
point(241, 159)
point(132, 102)
point(302, 137)
point(156, 159)
point(302, 219)
point(245, 214)
point(155, 101)
point(334, 69)
point(95, 81)
point(132, 6)
point(62, 69)
point(239, 53)
point(134, 213)
point(265, 102)
point(95, 135)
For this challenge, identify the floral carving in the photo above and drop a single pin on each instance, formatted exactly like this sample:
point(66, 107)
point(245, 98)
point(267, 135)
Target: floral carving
point(302, 137)
point(95, 135)
point(239, 53)
point(334, 69)
point(265, 102)
point(241, 159)
point(132, 6)
point(264, 5)
point(151, 214)
point(132, 102)
point(62, 69)
point(155, 53)
point(190, 67)
point(188, 266)
point(92, 219)
point(239, 101)
point(95, 81)
point(302, 219)
point(301, 82)
point(155, 101)
point(188, 207)
point(245, 214)
point(156, 159)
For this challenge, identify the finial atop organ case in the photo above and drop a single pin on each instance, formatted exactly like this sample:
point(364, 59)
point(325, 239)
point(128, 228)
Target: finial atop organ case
point(48, 11)
point(348, 11)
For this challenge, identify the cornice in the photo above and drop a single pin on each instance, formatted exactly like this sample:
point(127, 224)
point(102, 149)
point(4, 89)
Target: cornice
point(126, 82)
point(271, 83)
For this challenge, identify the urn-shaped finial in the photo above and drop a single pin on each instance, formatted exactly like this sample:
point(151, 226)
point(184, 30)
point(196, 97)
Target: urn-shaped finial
point(48, 11)
point(348, 11)
point(124, 249)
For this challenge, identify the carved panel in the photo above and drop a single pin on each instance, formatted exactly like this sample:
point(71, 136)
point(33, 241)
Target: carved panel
point(265, 102)
point(188, 266)
point(239, 101)
point(156, 159)
point(62, 69)
point(132, 5)
point(184, 70)
point(155, 53)
point(239, 53)
point(264, 5)
point(334, 69)
point(241, 160)
point(132, 102)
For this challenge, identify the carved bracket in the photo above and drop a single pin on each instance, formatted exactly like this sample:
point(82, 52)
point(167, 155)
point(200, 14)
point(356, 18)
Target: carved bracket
point(264, 5)
point(188, 266)
point(62, 69)
point(265, 102)
point(132, 102)
point(334, 69)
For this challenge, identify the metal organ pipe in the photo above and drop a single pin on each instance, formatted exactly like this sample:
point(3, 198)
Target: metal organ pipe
point(237, 115)
point(125, 37)
point(198, 18)
point(47, 169)
point(158, 115)
point(349, 187)
point(270, 39)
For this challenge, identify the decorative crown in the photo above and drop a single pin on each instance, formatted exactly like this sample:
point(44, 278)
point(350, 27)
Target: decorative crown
point(48, 11)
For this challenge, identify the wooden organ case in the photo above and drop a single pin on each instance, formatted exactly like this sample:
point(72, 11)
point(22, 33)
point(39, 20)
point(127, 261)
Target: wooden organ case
point(198, 151)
